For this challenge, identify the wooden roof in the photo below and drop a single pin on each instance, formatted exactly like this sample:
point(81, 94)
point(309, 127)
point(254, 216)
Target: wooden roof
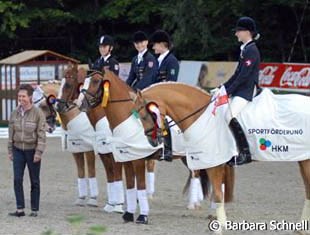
point(25, 56)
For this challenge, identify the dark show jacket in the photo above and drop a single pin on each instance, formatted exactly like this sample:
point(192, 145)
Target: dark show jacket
point(143, 74)
point(245, 78)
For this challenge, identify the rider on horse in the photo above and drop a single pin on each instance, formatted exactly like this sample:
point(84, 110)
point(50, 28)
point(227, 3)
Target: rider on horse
point(144, 67)
point(242, 86)
point(106, 60)
point(168, 70)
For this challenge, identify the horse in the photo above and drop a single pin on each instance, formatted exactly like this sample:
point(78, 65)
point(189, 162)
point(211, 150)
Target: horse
point(115, 189)
point(51, 90)
point(184, 109)
point(116, 98)
point(43, 101)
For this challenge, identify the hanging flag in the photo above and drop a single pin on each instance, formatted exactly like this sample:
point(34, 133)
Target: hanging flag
point(221, 98)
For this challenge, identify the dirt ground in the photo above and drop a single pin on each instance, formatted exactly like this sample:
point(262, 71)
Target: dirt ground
point(264, 192)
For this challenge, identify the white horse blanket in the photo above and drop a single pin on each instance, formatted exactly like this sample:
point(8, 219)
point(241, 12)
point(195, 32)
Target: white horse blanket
point(103, 132)
point(129, 141)
point(80, 136)
point(276, 126)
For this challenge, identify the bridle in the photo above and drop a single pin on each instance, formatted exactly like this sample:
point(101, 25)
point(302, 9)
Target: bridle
point(52, 112)
point(68, 102)
point(167, 124)
point(94, 100)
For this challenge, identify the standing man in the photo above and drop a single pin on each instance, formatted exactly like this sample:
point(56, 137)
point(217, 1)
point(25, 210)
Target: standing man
point(168, 70)
point(144, 67)
point(106, 60)
point(26, 145)
point(241, 87)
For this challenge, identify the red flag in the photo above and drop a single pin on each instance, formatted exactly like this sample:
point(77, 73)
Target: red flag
point(221, 98)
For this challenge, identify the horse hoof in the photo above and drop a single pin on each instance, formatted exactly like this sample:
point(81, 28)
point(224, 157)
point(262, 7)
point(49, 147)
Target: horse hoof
point(92, 202)
point(118, 208)
point(128, 217)
point(80, 201)
point(108, 208)
point(142, 219)
point(191, 206)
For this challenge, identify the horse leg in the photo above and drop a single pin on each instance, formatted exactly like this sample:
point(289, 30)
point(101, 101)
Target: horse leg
point(115, 188)
point(131, 192)
point(139, 168)
point(150, 178)
point(93, 185)
point(229, 183)
point(304, 167)
point(195, 195)
point(82, 180)
point(216, 176)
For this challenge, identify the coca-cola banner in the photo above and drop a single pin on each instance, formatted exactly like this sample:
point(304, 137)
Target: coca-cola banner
point(285, 76)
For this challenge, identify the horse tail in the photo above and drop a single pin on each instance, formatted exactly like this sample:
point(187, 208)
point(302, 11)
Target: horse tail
point(205, 183)
point(204, 180)
point(229, 182)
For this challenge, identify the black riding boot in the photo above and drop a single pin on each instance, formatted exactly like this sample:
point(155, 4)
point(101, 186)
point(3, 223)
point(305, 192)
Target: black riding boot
point(167, 154)
point(242, 144)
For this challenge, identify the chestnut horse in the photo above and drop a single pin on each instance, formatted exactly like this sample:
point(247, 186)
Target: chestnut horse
point(116, 99)
point(51, 90)
point(185, 103)
point(97, 117)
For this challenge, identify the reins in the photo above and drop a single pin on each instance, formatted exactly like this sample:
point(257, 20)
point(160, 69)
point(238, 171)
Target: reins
point(188, 116)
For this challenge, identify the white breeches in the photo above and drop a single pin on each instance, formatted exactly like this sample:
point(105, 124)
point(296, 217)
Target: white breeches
point(236, 104)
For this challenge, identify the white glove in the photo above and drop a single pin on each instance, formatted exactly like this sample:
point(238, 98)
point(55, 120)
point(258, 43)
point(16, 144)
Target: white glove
point(214, 91)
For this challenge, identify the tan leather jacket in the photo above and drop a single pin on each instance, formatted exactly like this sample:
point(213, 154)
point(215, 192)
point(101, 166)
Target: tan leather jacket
point(27, 130)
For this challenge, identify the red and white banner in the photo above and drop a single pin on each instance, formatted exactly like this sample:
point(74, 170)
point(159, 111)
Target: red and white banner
point(285, 76)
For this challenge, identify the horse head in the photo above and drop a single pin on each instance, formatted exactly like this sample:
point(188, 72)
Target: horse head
point(152, 116)
point(69, 91)
point(44, 97)
point(93, 92)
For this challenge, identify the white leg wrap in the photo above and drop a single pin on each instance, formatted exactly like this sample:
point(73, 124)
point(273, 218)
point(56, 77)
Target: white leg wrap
point(193, 191)
point(143, 202)
point(220, 213)
point(93, 187)
point(150, 183)
point(200, 192)
point(82, 187)
point(131, 197)
point(109, 192)
point(119, 192)
point(306, 211)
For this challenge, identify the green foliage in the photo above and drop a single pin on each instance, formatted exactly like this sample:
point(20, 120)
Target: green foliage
point(200, 29)
point(12, 17)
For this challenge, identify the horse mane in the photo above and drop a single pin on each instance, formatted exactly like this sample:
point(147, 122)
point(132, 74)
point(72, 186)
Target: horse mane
point(51, 86)
point(175, 83)
point(110, 73)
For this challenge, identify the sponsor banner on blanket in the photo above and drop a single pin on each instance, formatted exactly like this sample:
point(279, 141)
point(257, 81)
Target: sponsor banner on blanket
point(280, 129)
point(285, 76)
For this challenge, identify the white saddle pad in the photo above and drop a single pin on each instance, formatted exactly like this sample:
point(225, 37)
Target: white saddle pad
point(80, 136)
